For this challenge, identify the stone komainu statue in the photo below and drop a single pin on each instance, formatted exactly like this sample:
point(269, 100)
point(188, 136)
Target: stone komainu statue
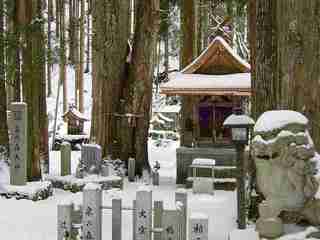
point(285, 160)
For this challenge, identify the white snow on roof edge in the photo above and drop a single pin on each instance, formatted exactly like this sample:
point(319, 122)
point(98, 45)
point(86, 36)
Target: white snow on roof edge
point(277, 119)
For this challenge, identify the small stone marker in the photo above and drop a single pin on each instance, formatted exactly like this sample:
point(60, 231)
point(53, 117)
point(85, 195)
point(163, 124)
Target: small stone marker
point(18, 143)
point(65, 156)
point(155, 178)
point(64, 220)
point(105, 170)
point(131, 169)
point(202, 185)
point(143, 214)
point(198, 229)
point(170, 224)
point(91, 156)
point(269, 225)
point(181, 199)
point(116, 219)
point(92, 214)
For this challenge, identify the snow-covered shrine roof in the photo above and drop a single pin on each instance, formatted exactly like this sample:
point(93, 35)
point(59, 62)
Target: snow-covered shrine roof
point(238, 84)
point(218, 70)
point(76, 114)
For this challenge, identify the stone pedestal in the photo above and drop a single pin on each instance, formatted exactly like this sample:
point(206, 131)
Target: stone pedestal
point(269, 225)
point(91, 156)
point(65, 156)
point(203, 185)
point(155, 178)
point(18, 143)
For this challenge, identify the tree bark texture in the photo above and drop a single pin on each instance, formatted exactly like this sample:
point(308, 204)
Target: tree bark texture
point(32, 78)
point(146, 34)
point(287, 59)
point(4, 139)
point(109, 46)
point(188, 53)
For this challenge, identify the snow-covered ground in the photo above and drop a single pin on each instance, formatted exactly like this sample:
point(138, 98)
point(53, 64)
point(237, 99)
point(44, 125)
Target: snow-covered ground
point(28, 220)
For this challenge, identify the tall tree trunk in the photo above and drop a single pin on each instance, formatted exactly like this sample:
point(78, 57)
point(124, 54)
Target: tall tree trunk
point(188, 52)
point(81, 56)
point(76, 51)
point(71, 31)
point(287, 60)
point(109, 45)
point(87, 70)
point(4, 139)
point(33, 74)
point(63, 61)
point(146, 32)
point(58, 7)
point(49, 54)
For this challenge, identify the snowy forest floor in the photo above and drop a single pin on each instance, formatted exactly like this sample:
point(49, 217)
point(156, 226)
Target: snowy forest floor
point(28, 220)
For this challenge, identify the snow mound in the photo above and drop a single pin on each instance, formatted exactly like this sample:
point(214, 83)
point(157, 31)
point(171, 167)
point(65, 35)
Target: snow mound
point(234, 119)
point(272, 120)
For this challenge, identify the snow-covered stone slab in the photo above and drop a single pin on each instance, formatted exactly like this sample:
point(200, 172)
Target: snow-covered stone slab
point(31, 191)
point(143, 222)
point(203, 185)
point(204, 161)
point(91, 155)
point(241, 234)
point(74, 184)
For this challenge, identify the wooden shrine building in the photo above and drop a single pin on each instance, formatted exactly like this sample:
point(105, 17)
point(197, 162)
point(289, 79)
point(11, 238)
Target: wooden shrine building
point(212, 86)
point(75, 121)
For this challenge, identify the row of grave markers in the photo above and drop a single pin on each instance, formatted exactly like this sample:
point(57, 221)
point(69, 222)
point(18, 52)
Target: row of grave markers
point(149, 222)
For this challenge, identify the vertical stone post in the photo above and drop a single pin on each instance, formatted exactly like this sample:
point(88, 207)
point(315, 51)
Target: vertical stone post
point(131, 169)
point(64, 220)
point(134, 219)
point(144, 214)
point(157, 218)
point(181, 199)
point(155, 178)
point(116, 219)
point(241, 199)
point(198, 228)
point(92, 212)
point(65, 156)
point(18, 143)
point(171, 227)
point(91, 155)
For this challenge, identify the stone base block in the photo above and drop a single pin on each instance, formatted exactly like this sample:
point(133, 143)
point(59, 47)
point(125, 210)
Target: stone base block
point(202, 185)
point(74, 184)
point(226, 184)
point(34, 191)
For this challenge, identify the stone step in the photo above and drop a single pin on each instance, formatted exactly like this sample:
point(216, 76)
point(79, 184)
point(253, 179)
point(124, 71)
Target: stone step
point(226, 184)
point(219, 172)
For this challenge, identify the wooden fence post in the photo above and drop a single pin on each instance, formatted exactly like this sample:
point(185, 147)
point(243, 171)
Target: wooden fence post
point(157, 218)
point(198, 228)
point(143, 224)
point(64, 220)
point(116, 219)
point(92, 212)
point(181, 199)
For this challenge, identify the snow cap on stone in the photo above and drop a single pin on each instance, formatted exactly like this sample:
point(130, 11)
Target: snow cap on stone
point(234, 119)
point(277, 119)
point(92, 186)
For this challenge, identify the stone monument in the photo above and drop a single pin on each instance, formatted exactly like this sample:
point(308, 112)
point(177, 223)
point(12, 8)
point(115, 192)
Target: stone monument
point(91, 156)
point(283, 153)
point(18, 143)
